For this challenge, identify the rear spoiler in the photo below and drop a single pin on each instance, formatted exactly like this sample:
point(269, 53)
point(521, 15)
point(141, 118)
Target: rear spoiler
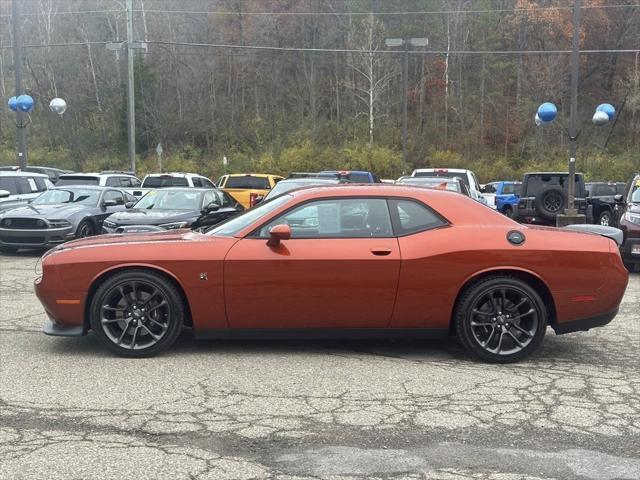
point(613, 233)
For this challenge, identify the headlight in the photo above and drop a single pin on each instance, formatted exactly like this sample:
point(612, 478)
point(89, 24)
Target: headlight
point(174, 226)
point(38, 268)
point(109, 224)
point(632, 217)
point(59, 223)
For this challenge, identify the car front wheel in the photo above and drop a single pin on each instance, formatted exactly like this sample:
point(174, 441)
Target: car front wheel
point(500, 319)
point(137, 313)
point(605, 219)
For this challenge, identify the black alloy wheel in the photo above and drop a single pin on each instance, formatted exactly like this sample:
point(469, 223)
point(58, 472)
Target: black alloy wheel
point(137, 313)
point(501, 319)
point(85, 229)
point(553, 202)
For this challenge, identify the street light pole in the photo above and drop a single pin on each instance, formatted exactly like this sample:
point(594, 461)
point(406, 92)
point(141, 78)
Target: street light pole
point(131, 114)
point(17, 62)
point(573, 132)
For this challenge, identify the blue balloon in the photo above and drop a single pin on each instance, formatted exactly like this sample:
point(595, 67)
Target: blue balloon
point(25, 103)
point(608, 109)
point(13, 104)
point(547, 112)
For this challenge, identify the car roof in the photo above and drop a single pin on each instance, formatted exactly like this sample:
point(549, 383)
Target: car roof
point(175, 174)
point(85, 187)
point(96, 174)
point(13, 173)
point(251, 175)
point(442, 169)
point(311, 180)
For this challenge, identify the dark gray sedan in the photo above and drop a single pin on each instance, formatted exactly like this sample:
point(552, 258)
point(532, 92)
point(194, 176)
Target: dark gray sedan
point(59, 215)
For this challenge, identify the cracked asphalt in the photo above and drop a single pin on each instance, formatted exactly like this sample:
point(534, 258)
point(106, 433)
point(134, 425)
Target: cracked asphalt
point(313, 410)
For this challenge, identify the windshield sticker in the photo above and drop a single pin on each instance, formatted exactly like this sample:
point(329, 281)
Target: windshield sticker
point(32, 185)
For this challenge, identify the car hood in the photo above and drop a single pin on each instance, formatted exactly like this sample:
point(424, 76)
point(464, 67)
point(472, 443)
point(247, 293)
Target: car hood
point(47, 211)
point(115, 239)
point(136, 216)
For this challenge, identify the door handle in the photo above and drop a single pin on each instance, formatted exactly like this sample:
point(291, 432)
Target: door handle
point(381, 251)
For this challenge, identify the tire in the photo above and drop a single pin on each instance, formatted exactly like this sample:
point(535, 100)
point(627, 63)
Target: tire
point(508, 212)
point(85, 229)
point(483, 301)
point(137, 313)
point(605, 218)
point(550, 202)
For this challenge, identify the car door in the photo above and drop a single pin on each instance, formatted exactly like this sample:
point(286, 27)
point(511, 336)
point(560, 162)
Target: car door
point(104, 211)
point(339, 269)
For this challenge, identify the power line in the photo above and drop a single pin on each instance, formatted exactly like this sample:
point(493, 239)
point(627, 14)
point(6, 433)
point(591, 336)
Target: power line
point(350, 14)
point(79, 12)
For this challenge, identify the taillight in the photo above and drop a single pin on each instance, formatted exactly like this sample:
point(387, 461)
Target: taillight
point(252, 199)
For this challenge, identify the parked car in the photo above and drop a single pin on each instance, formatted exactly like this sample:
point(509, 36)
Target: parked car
point(353, 176)
point(601, 197)
point(455, 184)
point(289, 184)
point(20, 188)
point(544, 196)
point(503, 196)
point(629, 222)
point(246, 188)
point(60, 214)
point(51, 172)
point(176, 179)
point(338, 261)
point(172, 208)
point(467, 176)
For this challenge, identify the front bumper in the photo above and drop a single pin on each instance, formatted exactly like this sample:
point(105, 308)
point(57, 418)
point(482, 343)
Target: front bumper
point(35, 238)
point(630, 250)
point(57, 330)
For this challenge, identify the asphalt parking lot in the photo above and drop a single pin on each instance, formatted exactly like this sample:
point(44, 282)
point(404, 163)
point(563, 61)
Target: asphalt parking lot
point(309, 410)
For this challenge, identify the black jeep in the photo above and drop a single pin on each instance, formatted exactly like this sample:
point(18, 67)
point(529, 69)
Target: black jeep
point(601, 198)
point(544, 196)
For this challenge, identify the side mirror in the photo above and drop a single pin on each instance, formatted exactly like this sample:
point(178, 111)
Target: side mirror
point(277, 234)
point(4, 193)
point(483, 189)
point(109, 203)
point(129, 204)
point(617, 198)
point(212, 207)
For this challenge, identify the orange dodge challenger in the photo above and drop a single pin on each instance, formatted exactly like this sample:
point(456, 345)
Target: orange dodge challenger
point(338, 261)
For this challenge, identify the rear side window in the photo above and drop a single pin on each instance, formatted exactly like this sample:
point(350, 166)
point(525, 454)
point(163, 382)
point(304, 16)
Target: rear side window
point(161, 182)
point(508, 189)
point(135, 182)
point(9, 184)
point(77, 180)
point(196, 182)
point(410, 217)
point(249, 182)
point(27, 185)
point(605, 190)
point(206, 183)
point(113, 182)
point(41, 185)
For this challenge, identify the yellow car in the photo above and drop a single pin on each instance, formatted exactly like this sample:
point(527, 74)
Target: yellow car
point(247, 187)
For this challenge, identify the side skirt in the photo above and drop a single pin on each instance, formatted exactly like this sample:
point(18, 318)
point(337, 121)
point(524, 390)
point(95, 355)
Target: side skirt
point(319, 333)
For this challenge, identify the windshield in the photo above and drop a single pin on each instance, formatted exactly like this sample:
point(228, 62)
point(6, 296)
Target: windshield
point(634, 196)
point(443, 174)
point(164, 181)
point(170, 200)
point(234, 225)
point(538, 182)
point(78, 180)
point(248, 181)
point(287, 185)
point(431, 183)
point(79, 196)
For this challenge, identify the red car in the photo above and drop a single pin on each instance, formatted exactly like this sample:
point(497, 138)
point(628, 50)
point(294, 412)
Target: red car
point(338, 261)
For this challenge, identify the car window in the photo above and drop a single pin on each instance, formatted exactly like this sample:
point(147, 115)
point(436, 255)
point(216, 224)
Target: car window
point(196, 182)
point(227, 200)
point(491, 188)
point(77, 180)
point(165, 181)
point(508, 189)
point(41, 184)
point(237, 223)
point(113, 182)
point(130, 198)
point(537, 183)
point(444, 174)
point(77, 195)
point(606, 190)
point(206, 183)
point(620, 187)
point(209, 197)
point(187, 199)
point(336, 218)
point(220, 181)
point(411, 217)
point(9, 184)
point(248, 182)
point(113, 195)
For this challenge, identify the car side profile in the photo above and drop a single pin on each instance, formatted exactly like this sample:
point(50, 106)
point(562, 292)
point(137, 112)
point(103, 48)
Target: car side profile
point(338, 261)
point(20, 188)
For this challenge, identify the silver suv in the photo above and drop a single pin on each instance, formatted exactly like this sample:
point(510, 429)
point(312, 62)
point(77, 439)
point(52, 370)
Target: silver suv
point(20, 188)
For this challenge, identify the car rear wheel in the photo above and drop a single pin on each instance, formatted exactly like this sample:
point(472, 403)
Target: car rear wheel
point(508, 211)
point(137, 313)
point(605, 218)
point(500, 319)
point(85, 229)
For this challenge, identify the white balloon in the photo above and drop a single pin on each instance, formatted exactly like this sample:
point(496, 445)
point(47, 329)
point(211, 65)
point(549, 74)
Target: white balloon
point(58, 105)
point(600, 118)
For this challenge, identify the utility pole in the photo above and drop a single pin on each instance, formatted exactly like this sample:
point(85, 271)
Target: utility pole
point(131, 105)
point(17, 64)
point(573, 132)
point(405, 80)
